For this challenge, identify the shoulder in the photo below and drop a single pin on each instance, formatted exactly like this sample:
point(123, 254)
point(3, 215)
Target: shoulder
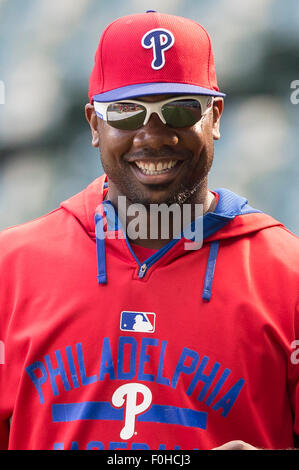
point(264, 242)
point(32, 235)
point(279, 241)
point(54, 226)
point(276, 251)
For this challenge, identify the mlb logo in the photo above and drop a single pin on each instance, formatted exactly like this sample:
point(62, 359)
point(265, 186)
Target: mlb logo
point(140, 322)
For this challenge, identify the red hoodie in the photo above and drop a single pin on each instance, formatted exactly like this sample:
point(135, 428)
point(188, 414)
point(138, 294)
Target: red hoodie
point(187, 350)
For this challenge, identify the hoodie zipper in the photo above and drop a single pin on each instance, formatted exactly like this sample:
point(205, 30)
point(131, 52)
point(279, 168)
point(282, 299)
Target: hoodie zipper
point(143, 268)
point(226, 210)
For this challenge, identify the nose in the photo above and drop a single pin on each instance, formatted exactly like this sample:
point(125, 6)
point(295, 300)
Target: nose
point(155, 134)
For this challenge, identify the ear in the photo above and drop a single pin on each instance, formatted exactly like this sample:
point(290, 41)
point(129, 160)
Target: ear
point(217, 111)
point(93, 123)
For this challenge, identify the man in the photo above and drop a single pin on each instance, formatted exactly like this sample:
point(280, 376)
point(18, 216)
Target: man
point(117, 339)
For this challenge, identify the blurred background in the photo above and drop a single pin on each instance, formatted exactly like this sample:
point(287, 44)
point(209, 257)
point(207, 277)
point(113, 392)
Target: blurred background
point(46, 55)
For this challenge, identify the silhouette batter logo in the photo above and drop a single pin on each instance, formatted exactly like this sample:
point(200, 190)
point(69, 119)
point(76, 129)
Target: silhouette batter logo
point(140, 322)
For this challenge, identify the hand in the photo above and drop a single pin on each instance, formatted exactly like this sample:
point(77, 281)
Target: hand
point(235, 445)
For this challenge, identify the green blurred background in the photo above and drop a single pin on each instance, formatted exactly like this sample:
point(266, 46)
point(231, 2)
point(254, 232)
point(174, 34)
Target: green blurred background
point(46, 56)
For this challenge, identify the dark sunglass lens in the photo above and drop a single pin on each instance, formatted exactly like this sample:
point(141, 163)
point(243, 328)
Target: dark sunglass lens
point(182, 113)
point(126, 116)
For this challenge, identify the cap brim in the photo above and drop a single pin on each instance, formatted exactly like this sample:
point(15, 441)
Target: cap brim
point(144, 89)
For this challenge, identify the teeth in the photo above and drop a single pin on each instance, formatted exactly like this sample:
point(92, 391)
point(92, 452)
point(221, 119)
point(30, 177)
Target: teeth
point(150, 168)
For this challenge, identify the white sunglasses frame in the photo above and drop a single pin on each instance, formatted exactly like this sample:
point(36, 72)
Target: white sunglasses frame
point(206, 101)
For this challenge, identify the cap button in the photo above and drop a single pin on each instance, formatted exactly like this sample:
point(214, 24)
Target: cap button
point(151, 11)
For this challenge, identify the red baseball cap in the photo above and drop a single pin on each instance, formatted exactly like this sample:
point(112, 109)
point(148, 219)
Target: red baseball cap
point(153, 53)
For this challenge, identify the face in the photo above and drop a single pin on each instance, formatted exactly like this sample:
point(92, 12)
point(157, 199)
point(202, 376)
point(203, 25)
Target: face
point(187, 153)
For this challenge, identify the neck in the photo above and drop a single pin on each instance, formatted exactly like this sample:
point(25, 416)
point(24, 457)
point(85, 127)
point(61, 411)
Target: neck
point(155, 227)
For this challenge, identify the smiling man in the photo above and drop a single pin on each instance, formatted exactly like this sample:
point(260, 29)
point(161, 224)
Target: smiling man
point(120, 342)
point(150, 161)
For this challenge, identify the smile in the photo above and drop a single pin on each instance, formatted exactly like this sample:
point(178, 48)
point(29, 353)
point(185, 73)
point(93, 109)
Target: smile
point(156, 171)
point(156, 168)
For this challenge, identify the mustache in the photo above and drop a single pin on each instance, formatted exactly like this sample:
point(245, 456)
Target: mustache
point(163, 152)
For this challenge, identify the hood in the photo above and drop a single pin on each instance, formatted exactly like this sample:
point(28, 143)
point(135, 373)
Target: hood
point(233, 217)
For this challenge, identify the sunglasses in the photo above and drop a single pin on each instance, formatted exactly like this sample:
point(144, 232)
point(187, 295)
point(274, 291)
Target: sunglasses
point(184, 111)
